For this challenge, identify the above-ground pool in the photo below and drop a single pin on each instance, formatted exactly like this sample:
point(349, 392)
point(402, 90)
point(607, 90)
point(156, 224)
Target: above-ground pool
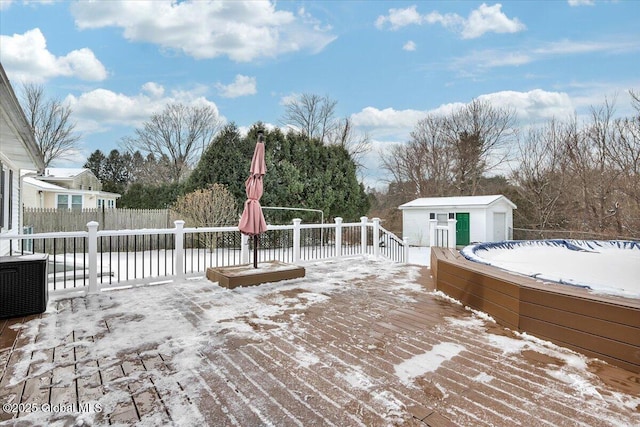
point(608, 267)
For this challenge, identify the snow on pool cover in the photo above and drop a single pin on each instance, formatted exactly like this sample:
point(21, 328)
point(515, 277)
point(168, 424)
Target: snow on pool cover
point(605, 266)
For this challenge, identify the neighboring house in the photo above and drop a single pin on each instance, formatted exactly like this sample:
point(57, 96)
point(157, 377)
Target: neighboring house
point(64, 188)
point(18, 151)
point(478, 218)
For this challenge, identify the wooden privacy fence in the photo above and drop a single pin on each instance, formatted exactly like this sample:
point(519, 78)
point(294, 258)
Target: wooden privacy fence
point(40, 220)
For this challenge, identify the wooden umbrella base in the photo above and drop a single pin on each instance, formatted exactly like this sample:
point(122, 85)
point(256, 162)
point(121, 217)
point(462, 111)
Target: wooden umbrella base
point(247, 275)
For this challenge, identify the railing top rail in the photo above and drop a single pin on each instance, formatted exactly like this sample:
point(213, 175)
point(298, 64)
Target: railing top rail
point(209, 229)
point(279, 227)
point(48, 235)
point(390, 234)
point(329, 225)
point(140, 232)
point(355, 224)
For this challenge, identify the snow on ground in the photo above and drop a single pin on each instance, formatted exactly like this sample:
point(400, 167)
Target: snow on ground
point(418, 365)
point(188, 320)
point(155, 320)
point(419, 255)
point(604, 268)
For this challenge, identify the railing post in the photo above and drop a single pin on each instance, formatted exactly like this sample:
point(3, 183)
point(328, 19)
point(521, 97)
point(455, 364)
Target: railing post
point(432, 232)
point(376, 237)
point(244, 248)
point(179, 249)
point(451, 233)
point(93, 256)
point(296, 239)
point(363, 234)
point(338, 236)
point(406, 249)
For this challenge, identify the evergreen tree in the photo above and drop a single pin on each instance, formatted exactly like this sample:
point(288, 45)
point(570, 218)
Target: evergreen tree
point(226, 161)
point(141, 196)
point(95, 163)
point(301, 172)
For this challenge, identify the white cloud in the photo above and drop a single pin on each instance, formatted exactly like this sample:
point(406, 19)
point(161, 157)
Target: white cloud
point(484, 19)
point(387, 121)
point(155, 90)
point(399, 18)
point(4, 4)
point(564, 47)
point(487, 19)
point(242, 30)
point(100, 109)
point(241, 86)
point(534, 105)
point(581, 2)
point(491, 58)
point(409, 46)
point(452, 21)
point(27, 59)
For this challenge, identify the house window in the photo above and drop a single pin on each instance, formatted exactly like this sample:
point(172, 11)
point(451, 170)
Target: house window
point(442, 218)
point(106, 203)
point(66, 202)
point(63, 201)
point(76, 202)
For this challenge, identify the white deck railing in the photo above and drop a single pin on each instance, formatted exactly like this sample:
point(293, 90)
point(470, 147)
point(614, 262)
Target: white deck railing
point(92, 260)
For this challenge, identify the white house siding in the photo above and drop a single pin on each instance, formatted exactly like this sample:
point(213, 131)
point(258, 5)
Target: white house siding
point(11, 218)
point(18, 151)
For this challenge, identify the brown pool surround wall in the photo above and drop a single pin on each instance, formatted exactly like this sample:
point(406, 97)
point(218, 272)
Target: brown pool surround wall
point(605, 327)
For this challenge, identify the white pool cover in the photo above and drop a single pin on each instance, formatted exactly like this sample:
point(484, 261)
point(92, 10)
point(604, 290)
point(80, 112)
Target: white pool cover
point(604, 266)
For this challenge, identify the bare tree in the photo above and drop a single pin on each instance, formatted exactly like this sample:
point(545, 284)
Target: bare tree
point(180, 133)
point(51, 123)
point(313, 115)
point(541, 176)
point(425, 161)
point(625, 155)
point(635, 100)
point(453, 152)
point(481, 136)
point(591, 165)
point(357, 145)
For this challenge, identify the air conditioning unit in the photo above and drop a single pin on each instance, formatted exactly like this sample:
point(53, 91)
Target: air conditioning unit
point(23, 285)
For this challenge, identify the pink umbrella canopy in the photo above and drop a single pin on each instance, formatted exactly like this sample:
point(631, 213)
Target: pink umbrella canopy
point(252, 220)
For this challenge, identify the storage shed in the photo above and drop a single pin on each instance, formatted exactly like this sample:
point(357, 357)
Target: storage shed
point(478, 218)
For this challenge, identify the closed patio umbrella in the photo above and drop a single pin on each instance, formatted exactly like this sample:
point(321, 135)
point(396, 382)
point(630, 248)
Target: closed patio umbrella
point(252, 221)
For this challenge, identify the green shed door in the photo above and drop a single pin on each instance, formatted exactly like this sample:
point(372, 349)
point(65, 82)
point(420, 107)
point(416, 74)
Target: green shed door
point(462, 229)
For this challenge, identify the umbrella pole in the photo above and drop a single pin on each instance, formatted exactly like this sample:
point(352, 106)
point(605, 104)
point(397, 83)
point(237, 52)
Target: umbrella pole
point(255, 251)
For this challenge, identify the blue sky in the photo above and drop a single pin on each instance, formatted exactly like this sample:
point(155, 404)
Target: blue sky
point(386, 63)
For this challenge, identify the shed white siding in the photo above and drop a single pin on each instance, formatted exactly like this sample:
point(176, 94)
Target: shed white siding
point(481, 210)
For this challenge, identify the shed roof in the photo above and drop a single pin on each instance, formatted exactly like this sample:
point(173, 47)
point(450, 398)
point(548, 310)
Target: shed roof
point(455, 202)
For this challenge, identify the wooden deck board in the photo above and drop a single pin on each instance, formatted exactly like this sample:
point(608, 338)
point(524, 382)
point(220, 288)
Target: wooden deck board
point(332, 363)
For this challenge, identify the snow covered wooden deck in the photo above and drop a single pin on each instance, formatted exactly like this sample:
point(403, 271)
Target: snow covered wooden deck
point(353, 343)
